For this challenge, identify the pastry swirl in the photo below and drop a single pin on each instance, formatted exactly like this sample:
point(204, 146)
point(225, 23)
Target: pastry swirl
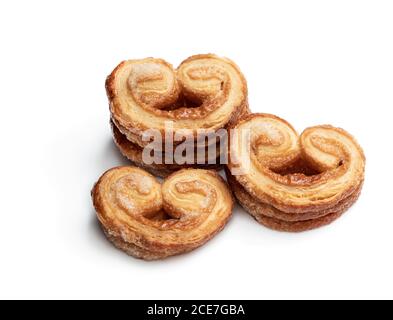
point(206, 91)
point(294, 201)
point(152, 221)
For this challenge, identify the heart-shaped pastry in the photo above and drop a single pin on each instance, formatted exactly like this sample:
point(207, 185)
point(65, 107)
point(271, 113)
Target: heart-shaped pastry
point(152, 221)
point(293, 183)
point(205, 92)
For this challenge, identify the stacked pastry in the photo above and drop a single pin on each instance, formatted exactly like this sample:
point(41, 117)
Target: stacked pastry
point(289, 182)
point(205, 92)
point(286, 181)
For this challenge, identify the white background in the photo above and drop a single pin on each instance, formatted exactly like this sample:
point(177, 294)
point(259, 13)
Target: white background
point(310, 62)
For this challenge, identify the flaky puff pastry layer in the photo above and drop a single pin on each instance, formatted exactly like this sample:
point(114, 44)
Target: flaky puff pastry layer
point(274, 192)
point(134, 153)
point(145, 94)
point(152, 221)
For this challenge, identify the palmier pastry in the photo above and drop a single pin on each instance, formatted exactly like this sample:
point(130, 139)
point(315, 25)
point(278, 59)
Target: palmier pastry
point(152, 221)
point(134, 153)
point(293, 183)
point(205, 92)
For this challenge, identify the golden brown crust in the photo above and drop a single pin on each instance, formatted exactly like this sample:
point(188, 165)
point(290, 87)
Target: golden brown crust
point(141, 94)
point(133, 152)
point(273, 218)
point(150, 221)
point(295, 183)
point(243, 112)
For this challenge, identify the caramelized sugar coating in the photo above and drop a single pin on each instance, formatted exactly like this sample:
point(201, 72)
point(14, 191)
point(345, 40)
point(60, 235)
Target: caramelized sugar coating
point(152, 221)
point(278, 195)
point(145, 94)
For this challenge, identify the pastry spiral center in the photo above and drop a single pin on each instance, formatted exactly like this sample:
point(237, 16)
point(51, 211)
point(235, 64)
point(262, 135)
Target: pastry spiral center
point(329, 153)
point(205, 81)
point(150, 82)
point(190, 199)
point(138, 194)
point(204, 192)
point(273, 144)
